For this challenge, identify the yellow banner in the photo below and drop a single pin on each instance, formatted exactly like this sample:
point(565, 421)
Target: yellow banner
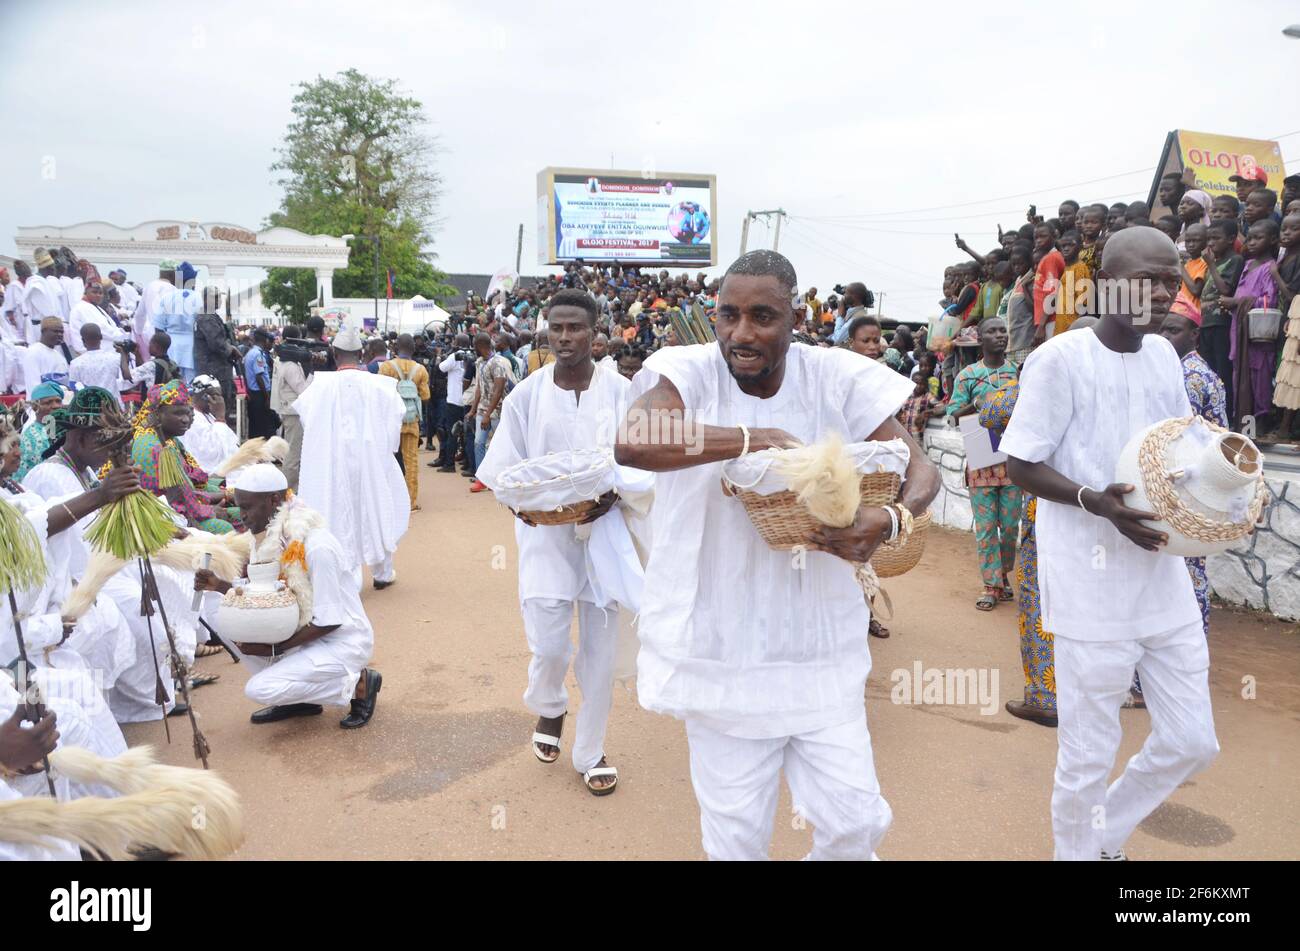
point(1216, 158)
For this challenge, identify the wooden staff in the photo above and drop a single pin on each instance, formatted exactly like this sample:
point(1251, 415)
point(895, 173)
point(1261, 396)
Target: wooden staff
point(179, 670)
point(32, 710)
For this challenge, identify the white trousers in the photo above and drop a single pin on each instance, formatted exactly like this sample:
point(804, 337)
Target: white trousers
point(1092, 681)
point(547, 623)
point(383, 571)
point(380, 571)
point(832, 777)
point(325, 671)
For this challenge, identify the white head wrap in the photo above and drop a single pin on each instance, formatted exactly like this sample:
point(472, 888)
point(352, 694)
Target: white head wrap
point(262, 477)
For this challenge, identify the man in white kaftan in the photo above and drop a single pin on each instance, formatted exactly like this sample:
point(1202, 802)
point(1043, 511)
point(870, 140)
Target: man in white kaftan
point(1114, 601)
point(567, 405)
point(74, 730)
point(763, 653)
point(132, 690)
point(209, 439)
point(325, 661)
point(352, 425)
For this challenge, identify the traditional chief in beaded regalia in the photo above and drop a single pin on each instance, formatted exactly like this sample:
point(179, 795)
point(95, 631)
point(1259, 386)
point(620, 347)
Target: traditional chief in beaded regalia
point(169, 471)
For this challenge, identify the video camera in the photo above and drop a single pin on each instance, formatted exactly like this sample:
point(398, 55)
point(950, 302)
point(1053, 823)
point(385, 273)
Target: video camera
point(303, 352)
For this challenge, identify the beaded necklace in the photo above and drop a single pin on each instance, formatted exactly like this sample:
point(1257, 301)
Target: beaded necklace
point(87, 484)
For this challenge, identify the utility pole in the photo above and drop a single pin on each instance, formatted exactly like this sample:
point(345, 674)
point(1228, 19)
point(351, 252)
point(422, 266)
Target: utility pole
point(750, 216)
point(519, 248)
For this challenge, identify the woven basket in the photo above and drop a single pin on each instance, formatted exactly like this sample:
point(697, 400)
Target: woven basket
point(785, 524)
point(564, 515)
point(893, 559)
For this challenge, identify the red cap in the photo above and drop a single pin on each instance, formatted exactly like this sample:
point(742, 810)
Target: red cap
point(1251, 174)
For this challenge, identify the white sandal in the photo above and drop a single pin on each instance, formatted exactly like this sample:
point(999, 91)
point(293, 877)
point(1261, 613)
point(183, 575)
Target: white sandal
point(541, 739)
point(596, 772)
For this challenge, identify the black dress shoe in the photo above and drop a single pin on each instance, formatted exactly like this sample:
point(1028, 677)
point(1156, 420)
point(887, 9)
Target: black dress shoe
point(285, 711)
point(181, 709)
point(1018, 708)
point(363, 710)
point(446, 468)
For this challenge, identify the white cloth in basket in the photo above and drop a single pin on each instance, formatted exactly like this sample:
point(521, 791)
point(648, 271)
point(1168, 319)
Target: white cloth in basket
point(545, 483)
point(756, 472)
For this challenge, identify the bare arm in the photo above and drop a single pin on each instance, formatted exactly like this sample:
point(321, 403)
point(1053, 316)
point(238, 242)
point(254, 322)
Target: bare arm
point(1046, 483)
point(979, 258)
point(498, 388)
point(659, 435)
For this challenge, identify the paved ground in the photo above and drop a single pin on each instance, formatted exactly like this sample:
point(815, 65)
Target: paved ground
point(445, 770)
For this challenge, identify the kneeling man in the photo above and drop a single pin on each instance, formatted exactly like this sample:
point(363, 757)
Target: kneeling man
point(325, 661)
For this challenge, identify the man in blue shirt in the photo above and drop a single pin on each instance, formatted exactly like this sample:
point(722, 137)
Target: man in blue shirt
point(262, 420)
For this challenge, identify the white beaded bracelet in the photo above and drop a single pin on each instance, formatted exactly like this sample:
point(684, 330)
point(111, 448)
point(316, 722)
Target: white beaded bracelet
point(1079, 498)
point(744, 451)
point(893, 523)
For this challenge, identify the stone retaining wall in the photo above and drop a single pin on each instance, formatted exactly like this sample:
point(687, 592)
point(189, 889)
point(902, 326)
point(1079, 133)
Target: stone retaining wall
point(1263, 574)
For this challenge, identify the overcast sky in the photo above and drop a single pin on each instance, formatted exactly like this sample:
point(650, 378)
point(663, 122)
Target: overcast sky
point(174, 110)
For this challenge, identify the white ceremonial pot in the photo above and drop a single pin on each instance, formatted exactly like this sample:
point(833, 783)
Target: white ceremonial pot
point(259, 610)
point(1215, 474)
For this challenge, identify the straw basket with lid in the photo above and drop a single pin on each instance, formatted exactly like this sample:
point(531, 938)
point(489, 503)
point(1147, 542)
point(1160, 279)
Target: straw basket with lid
point(784, 522)
point(1205, 483)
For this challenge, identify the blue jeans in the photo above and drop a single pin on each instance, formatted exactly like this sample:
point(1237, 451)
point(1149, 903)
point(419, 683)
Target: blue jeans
point(481, 437)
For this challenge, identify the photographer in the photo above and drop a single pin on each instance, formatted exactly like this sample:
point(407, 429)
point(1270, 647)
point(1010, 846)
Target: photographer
point(287, 383)
point(215, 354)
point(458, 365)
point(323, 357)
point(426, 355)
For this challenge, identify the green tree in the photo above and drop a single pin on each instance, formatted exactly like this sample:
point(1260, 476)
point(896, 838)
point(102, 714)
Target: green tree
point(357, 159)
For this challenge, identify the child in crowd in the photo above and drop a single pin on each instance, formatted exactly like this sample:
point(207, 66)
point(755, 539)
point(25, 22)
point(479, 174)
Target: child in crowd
point(1075, 295)
point(1258, 288)
point(920, 407)
point(1223, 272)
point(1047, 278)
point(1171, 227)
point(1193, 270)
point(1286, 274)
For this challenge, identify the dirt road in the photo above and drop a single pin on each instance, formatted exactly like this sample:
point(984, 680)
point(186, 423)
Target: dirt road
point(445, 770)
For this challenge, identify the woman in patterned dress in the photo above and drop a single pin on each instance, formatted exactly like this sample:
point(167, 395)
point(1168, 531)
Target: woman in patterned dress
point(167, 470)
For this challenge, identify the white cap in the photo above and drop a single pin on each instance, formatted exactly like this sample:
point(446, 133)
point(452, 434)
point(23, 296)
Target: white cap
point(262, 477)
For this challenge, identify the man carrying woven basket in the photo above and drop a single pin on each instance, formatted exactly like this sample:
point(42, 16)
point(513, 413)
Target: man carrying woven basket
point(571, 404)
point(763, 652)
point(1114, 601)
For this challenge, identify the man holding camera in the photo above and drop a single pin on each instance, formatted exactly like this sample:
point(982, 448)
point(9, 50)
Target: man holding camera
point(287, 383)
point(215, 354)
point(458, 363)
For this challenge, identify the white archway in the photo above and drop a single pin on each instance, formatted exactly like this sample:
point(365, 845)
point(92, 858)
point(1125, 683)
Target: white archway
point(212, 244)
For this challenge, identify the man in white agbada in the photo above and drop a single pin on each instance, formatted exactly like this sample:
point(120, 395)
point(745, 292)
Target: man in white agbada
point(21, 751)
point(69, 471)
point(72, 662)
point(763, 653)
point(325, 660)
point(107, 368)
point(86, 312)
point(210, 440)
point(42, 295)
point(45, 360)
point(570, 404)
point(1113, 600)
point(352, 426)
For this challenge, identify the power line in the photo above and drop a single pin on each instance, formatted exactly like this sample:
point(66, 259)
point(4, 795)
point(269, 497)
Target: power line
point(1028, 194)
point(867, 257)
